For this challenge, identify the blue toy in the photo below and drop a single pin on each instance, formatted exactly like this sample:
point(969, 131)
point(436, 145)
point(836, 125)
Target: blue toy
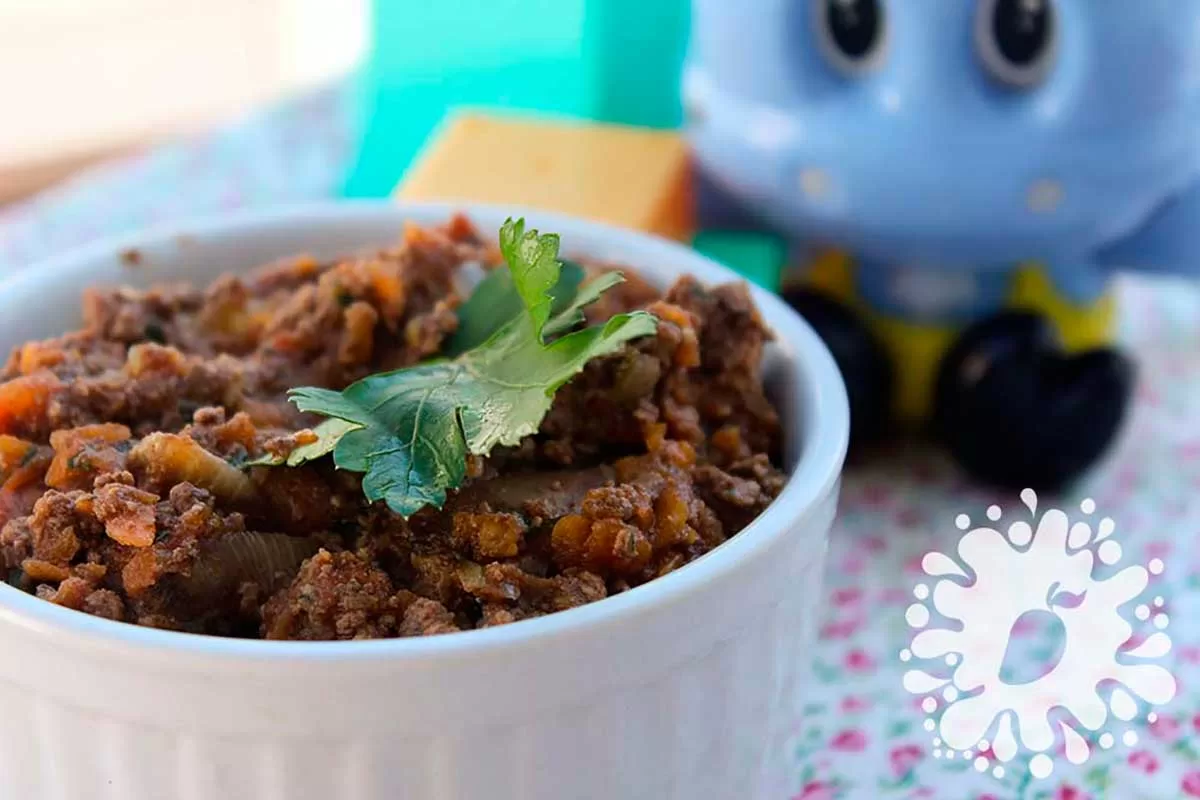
point(961, 179)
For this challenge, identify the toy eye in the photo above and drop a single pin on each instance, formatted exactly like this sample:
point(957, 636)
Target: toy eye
point(851, 33)
point(1016, 40)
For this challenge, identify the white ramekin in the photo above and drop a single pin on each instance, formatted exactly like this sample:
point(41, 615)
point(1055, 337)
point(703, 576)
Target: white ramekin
point(685, 688)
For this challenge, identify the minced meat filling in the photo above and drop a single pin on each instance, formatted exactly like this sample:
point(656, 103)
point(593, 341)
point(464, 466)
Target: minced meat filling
point(125, 490)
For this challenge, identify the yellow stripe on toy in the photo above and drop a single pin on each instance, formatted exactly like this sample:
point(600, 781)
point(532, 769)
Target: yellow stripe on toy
point(828, 271)
point(916, 351)
point(1080, 327)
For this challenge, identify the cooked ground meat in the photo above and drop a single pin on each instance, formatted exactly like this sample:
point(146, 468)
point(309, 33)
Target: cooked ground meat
point(124, 490)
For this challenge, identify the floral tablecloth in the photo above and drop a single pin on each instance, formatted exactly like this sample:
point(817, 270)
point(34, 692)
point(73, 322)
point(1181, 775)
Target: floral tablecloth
point(861, 735)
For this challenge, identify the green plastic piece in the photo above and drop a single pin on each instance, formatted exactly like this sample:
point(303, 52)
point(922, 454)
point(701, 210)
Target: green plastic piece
point(605, 60)
point(758, 257)
point(633, 51)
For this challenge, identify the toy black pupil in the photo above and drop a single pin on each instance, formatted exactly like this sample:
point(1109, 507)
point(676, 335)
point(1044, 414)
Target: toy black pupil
point(1022, 29)
point(854, 25)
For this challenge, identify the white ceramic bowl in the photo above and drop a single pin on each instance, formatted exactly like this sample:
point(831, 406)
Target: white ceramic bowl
point(685, 688)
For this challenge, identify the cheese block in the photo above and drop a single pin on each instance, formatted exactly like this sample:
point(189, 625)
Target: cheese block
point(634, 177)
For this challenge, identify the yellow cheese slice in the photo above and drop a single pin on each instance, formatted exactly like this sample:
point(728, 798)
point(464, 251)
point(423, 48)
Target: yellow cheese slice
point(634, 177)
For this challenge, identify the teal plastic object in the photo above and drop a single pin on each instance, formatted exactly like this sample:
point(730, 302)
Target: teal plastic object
point(758, 257)
point(605, 60)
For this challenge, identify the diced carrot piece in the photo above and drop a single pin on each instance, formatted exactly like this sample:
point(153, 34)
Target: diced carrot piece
point(388, 287)
point(92, 573)
point(44, 571)
point(23, 485)
point(24, 400)
point(101, 433)
point(148, 357)
point(568, 540)
point(230, 320)
point(671, 514)
point(39, 355)
point(655, 435)
point(82, 453)
point(687, 353)
point(461, 229)
point(415, 234)
point(239, 430)
point(128, 514)
point(598, 549)
point(140, 573)
point(72, 593)
point(13, 453)
point(490, 535)
point(728, 440)
point(135, 528)
point(626, 548)
point(305, 266)
point(680, 454)
point(285, 342)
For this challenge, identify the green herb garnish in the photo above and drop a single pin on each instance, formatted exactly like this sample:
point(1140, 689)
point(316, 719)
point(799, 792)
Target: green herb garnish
point(495, 301)
point(410, 431)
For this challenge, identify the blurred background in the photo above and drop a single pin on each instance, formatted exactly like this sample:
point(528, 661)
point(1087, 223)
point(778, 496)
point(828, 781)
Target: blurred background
point(126, 113)
point(87, 81)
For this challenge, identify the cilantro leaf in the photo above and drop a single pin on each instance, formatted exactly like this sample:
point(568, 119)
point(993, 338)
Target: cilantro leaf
point(411, 431)
point(533, 262)
point(495, 301)
point(328, 434)
point(590, 292)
